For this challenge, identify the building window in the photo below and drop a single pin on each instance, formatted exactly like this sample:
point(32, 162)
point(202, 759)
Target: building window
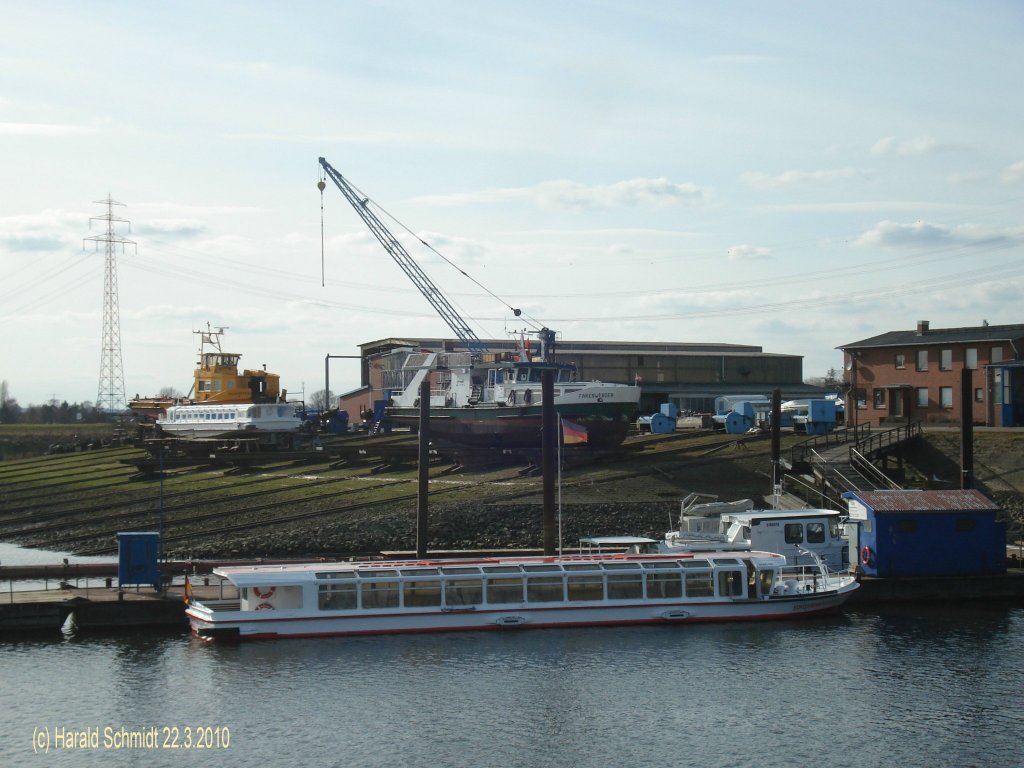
point(922, 397)
point(901, 360)
point(979, 395)
point(922, 359)
point(861, 396)
point(639, 361)
point(997, 355)
point(879, 398)
point(946, 360)
point(971, 358)
point(946, 397)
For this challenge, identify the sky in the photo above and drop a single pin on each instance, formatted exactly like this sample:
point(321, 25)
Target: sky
point(791, 175)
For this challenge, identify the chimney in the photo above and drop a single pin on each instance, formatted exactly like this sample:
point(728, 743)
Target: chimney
point(922, 327)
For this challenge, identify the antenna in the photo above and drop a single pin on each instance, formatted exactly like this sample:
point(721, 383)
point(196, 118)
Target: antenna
point(111, 388)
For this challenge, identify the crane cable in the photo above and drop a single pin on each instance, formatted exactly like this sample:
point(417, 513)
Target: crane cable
point(320, 185)
point(514, 310)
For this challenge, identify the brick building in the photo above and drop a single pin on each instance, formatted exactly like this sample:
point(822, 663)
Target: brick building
point(916, 375)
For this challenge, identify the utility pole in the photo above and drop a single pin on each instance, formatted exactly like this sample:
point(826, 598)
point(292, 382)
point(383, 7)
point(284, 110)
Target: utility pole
point(111, 397)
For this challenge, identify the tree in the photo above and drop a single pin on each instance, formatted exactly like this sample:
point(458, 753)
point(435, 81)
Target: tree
point(831, 380)
point(10, 411)
point(169, 392)
point(322, 400)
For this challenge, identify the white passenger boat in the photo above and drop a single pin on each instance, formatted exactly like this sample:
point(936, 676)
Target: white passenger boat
point(391, 597)
point(228, 420)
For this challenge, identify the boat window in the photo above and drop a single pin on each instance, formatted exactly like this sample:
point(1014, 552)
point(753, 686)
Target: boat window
point(794, 533)
point(336, 575)
point(523, 374)
point(535, 374)
point(661, 585)
point(699, 585)
point(620, 566)
point(463, 592)
point(380, 594)
point(544, 589)
point(422, 593)
point(460, 570)
point(833, 528)
point(815, 533)
point(504, 590)
point(502, 569)
point(374, 574)
point(767, 577)
point(589, 587)
point(547, 568)
point(662, 564)
point(726, 561)
point(564, 375)
point(730, 583)
point(338, 597)
point(695, 563)
point(581, 566)
point(625, 586)
point(419, 571)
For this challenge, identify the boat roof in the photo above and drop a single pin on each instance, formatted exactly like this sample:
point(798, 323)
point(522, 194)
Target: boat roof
point(762, 515)
point(616, 541)
point(300, 573)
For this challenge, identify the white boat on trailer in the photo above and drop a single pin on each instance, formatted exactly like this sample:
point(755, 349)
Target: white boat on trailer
point(217, 420)
point(401, 596)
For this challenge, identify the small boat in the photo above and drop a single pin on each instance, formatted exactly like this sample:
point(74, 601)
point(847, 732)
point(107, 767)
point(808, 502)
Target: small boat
point(797, 534)
point(496, 402)
point(393, 597)
point(196, 422)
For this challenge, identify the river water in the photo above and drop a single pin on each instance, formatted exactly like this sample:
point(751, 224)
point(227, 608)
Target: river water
point(899, 686)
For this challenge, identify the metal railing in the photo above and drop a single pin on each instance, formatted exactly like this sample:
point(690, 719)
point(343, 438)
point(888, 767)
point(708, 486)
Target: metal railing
point(864, 466)
point(877, 441)
point(799, 452)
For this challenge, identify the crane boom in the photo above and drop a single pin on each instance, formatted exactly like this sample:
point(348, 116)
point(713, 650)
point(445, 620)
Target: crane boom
point(401, 256)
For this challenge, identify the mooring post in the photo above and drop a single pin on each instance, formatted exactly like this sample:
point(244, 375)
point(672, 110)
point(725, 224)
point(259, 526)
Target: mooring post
point(424, 466)
point(776, 445)
point(966, 431)
point(549, 458)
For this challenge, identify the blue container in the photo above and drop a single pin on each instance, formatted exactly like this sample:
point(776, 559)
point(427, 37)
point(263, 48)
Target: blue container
point(137, 559)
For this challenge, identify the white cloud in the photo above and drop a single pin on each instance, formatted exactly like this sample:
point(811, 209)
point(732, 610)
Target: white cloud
point(758, 180)
point(922, 233)
point(919, 145)
point(44, 129)
point(1014, 174)
point(570, 195)
point(748, 253)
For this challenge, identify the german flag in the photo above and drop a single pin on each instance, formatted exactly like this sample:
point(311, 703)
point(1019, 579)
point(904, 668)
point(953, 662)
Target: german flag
point(188, 592)
point(573, 434)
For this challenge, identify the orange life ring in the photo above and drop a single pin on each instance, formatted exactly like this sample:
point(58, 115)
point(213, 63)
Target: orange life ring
point(264, 594)
point(866, 555)
point(264, 607)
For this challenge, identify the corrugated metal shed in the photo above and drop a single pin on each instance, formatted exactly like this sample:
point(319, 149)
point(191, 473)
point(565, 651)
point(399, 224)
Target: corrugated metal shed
point(924, 501)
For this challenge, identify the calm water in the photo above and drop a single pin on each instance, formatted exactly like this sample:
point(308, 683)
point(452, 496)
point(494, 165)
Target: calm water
point(901, 687)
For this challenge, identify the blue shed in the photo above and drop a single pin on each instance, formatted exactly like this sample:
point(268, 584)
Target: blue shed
point(925, 533)
point(137, 558)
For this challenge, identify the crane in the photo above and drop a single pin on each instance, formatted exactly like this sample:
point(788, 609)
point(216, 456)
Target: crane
point(401, 256)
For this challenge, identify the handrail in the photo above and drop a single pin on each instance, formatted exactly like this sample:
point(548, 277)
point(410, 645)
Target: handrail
point(879, 440)
point(798, 453)
point(863, 465)
point(823, 498)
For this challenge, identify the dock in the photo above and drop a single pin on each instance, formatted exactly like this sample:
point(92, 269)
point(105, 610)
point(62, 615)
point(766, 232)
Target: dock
point(100, 608)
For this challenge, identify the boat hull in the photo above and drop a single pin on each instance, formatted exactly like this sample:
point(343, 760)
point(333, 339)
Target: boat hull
point(220, 625)
point(518, 427)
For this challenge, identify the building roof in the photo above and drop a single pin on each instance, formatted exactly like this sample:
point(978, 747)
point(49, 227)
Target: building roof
point(579, 347)
point(914, 338)
point(923, 501)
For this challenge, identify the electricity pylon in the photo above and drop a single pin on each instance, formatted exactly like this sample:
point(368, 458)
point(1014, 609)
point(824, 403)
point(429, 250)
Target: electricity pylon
point(111, 395)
